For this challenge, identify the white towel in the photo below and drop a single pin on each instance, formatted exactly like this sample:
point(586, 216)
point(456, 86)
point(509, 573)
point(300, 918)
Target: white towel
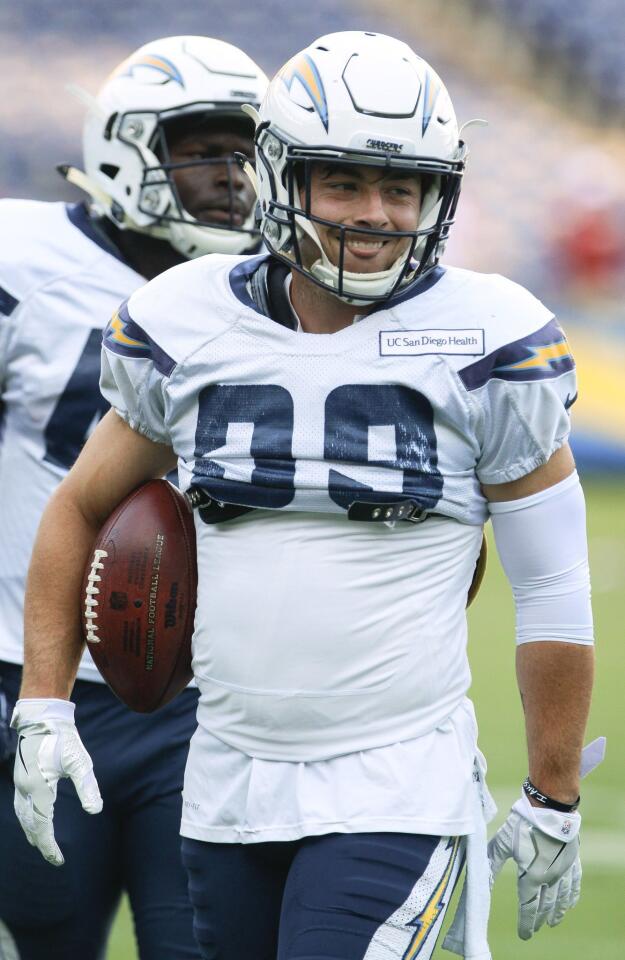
point(468, 934)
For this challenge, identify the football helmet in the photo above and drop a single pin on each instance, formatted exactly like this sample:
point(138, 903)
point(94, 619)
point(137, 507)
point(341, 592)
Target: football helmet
point(128, 171)
point(357, 98)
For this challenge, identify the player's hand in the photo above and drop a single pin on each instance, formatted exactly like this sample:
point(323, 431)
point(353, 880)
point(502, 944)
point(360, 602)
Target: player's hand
point(48, 748)
point(545, 847)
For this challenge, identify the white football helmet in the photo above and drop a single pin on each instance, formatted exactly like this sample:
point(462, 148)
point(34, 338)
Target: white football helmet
point(127, 169)
point(357, 98)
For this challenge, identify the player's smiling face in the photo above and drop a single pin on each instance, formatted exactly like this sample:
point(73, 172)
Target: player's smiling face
point(217, 192)
point(362, 196)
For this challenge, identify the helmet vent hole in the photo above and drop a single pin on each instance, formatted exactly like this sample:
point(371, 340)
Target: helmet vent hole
point(325, 49)
point(128, 190)
point(109, 170)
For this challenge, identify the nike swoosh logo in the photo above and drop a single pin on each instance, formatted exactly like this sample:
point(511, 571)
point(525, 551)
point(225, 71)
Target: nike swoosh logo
point(556, 856)
point(19, 750)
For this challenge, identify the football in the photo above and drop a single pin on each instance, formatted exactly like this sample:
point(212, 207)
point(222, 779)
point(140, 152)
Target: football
point(478, 573)
point(139, 596)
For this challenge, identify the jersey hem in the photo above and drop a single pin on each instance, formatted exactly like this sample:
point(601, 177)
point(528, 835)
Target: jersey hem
point(518, 470)
point(7, 657)
point(297, 831)
point(138, 427)
point(90, 675)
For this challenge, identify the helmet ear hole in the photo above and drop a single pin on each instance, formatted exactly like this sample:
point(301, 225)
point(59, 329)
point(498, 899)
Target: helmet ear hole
point(109, 170)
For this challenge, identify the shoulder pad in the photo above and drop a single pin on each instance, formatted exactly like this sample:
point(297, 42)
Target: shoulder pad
point(39, 243)
point(187, 306)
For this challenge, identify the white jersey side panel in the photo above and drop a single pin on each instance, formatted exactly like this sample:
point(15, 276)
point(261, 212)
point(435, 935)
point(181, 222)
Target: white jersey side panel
point(58, 289)
point(316, 635)
point(424, 785)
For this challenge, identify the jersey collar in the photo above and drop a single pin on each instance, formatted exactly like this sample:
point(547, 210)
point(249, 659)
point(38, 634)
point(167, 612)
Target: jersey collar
point(240, 275)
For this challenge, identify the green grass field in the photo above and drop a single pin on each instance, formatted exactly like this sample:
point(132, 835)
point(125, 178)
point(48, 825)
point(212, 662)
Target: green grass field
point(595, 930)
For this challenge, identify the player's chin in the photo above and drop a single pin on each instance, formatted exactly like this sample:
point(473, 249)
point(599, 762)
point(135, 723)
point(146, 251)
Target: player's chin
point(362, 257)
point(370, 265)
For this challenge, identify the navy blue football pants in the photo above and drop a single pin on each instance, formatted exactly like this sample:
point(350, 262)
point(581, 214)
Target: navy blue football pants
point(362, 896)
point(65, 913)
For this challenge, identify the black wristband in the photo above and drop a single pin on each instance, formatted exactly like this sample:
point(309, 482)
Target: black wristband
point(548, 802)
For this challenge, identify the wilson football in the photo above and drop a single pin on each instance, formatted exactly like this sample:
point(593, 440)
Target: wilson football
point(139, 595)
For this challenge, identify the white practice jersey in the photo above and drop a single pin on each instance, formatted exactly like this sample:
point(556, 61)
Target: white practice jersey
point(59, 284)
point(317, 635)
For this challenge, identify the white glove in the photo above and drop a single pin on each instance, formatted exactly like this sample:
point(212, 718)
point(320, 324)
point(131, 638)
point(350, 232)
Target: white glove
point(49, 748)
point(545, 846)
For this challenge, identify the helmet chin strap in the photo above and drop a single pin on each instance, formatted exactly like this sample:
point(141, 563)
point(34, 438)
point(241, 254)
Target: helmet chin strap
point(360, 285)
point(194, 240)
point(79, 179)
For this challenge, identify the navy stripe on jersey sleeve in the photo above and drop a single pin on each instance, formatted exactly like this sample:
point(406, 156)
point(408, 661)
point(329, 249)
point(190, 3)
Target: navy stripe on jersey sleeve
point(542, 355)
point(126, 338)
point(8, 303)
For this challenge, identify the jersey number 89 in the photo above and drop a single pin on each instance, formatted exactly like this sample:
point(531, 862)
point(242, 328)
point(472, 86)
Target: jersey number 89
point(379, 444)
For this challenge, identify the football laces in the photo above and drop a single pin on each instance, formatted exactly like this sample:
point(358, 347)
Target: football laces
point(91, 591)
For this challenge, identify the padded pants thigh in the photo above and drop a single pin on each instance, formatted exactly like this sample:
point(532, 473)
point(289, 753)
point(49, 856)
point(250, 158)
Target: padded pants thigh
point(236, 892)
point(369, 896)
point(56, 913)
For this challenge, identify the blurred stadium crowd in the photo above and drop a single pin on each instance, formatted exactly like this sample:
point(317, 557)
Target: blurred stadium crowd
point(544, 199)
point(585, 41)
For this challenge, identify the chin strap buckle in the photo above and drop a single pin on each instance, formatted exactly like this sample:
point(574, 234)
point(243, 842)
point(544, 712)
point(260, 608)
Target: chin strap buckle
point(387, 512)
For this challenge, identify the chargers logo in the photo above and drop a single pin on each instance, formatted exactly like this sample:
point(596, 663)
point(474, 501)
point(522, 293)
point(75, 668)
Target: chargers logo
point(125, 337)
point(303, 68)
point(542, 358)
point(150, 61)
point(542, 355)
point(116, 333)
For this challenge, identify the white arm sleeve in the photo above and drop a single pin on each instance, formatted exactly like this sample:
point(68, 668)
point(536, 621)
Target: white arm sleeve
point(541, 541)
